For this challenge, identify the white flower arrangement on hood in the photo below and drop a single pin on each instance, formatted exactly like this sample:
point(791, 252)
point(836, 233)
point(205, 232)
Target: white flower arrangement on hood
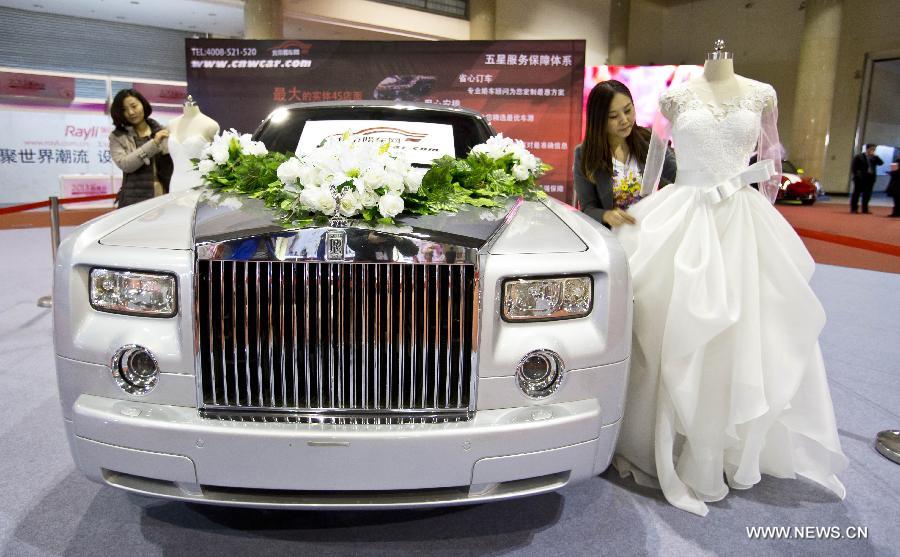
point(226, 145)
point(524, 163)
point(348, 175)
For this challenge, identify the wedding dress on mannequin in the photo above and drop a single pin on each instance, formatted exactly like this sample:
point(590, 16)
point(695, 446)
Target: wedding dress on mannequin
point(727, 379)
point(188, 135)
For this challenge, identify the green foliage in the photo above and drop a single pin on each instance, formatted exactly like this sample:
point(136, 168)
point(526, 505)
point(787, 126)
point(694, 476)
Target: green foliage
point(476, 180)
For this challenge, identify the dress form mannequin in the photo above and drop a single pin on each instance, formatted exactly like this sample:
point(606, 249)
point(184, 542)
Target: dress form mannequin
point(719, 84)
point(189, 134)
point(192, 122)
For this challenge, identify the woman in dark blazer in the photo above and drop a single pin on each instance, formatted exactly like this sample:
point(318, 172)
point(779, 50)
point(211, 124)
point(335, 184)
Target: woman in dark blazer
point(612, 139)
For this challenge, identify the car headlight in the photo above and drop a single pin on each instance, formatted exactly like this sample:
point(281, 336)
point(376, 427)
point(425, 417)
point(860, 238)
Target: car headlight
point(133, 292)
point(548, 298)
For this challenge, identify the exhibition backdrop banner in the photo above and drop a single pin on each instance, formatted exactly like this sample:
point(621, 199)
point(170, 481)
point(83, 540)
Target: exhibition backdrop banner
point(529, 90)
point(646, 84)
point(40, 144)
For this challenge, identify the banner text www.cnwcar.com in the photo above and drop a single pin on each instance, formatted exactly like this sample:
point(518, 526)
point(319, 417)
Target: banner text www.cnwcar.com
point(250, 64)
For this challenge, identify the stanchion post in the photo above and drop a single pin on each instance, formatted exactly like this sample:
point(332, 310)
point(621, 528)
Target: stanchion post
point(54, 225)
point(47, 301)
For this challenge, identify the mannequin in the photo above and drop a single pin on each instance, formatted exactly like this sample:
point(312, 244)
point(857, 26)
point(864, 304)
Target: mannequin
point(723, 388)
point(719, 84)
point(188, 135)
point(192, 122)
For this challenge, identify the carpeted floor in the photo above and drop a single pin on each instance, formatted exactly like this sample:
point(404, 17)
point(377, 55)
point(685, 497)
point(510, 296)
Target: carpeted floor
point(47, 508)
point(836, 237)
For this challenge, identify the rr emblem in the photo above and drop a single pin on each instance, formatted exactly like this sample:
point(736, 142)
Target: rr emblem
point(335, 240)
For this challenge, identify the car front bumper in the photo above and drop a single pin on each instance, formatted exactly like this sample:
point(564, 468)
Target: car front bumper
point(172, 452)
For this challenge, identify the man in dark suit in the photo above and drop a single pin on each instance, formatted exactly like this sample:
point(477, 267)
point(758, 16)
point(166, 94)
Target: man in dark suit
point(863, 170)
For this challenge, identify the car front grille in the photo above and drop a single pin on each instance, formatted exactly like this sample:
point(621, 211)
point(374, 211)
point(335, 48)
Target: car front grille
point(335, 338)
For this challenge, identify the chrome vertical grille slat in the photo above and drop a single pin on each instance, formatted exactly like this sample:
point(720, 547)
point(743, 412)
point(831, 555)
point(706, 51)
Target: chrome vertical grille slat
point(379, 333)
point(320, 384)
point(353, 286)
point(336, 338)
point(437, 335)
point(462, 332)
point(414, 342)
point(259, 370)
point(341, 339)
point(295, 335)
point(246, 290)
point(364, 271)
point(389, 333)
point(306, 332)
point(223, 337)
point(401, 348)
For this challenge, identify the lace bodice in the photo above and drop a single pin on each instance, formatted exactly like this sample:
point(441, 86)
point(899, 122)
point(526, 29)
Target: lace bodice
point(714, 142)
point(715, 138)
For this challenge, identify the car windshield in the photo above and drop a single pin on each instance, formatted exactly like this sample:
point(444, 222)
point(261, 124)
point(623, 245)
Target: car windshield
point(788, 166)
point(283, 136)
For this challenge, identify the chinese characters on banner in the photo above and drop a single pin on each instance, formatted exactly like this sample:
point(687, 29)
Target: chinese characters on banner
point(41, 145)
point(529, 90)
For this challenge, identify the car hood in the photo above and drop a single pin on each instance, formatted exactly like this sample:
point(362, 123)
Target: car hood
point(200, 216)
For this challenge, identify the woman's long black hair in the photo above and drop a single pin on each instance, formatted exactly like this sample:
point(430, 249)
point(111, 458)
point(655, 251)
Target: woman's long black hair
point(117, 108)
point(595, 152)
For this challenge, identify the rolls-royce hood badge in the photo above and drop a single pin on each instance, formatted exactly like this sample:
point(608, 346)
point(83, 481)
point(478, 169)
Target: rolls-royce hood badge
point(335, 243)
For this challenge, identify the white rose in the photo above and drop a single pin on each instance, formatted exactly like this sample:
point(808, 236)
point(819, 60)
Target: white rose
point(245, 142)
point(257, 148)
point(219, 153)
point(308, 175)
point(289, 171)
point(349, 204)
point(413, 179)
point(325, 204)
point(224, 139)
point(373, 177)
point(529, 161)
point(308, 197)
point(393, 181)
point(481, 148)
point(368, 198)
point(390, 205)
point(519, 172)
point(396, 165)
point(206, 166)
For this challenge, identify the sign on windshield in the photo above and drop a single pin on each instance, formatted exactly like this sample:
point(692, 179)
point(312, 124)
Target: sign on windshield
point(422, 141)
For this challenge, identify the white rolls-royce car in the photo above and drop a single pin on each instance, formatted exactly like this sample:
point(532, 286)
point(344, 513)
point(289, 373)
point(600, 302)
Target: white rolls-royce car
point(207, 353)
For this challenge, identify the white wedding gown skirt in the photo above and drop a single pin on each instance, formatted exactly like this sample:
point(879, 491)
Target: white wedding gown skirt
point(727, 379)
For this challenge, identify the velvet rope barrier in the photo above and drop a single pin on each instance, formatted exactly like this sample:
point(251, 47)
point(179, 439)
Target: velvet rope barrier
point(62, 200)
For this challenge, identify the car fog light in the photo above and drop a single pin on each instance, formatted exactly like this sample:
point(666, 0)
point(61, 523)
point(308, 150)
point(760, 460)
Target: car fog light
point(135, 369)
point(539, 373)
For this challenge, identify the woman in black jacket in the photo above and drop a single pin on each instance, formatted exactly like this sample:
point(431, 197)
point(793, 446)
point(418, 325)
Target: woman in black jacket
point(613, 144)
